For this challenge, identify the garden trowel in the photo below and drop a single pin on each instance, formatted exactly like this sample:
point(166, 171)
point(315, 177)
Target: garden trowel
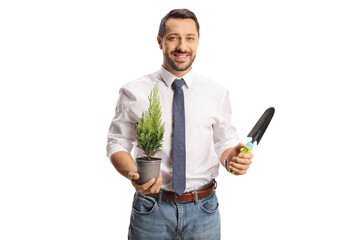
point(258, 130)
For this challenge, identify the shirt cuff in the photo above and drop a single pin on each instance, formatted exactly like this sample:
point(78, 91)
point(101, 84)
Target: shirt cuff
point(116, 148)
point(229, 144)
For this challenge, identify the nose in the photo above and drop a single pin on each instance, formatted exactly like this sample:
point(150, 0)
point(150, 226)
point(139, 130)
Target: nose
point(181, 46)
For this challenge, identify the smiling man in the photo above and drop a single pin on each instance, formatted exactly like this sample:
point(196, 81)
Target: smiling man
point(179, 44)
point(199, 135)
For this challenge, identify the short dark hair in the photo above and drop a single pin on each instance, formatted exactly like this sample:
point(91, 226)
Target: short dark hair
point(178, 13)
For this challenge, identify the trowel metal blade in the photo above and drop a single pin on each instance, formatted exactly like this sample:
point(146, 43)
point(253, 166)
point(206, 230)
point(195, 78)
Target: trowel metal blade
point(260, 127)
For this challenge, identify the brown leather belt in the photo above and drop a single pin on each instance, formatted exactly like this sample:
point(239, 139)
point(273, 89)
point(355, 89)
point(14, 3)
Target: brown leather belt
point(189, 196)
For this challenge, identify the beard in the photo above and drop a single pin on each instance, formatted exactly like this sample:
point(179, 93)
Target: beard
point(176, 67)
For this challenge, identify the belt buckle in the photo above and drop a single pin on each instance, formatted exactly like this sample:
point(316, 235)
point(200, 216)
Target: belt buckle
point(175, 198)
point(215, 183)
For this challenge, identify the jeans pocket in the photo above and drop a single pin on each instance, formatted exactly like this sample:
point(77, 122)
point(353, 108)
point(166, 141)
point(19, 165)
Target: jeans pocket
point(143, 204)
point(209, 204)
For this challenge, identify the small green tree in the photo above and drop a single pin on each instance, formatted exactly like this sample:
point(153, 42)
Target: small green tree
point(150, 130)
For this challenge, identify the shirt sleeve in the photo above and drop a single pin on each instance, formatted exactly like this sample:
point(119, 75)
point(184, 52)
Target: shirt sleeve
point(122, 131)
point(225, 134)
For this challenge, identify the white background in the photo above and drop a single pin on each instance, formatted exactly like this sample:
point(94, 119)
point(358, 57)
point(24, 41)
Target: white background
point(63, 62)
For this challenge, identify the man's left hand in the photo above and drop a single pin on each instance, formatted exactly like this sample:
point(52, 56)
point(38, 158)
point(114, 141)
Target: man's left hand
point(238, 162)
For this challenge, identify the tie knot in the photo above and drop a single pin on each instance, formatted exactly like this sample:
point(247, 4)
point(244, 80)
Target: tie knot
point(178, 83)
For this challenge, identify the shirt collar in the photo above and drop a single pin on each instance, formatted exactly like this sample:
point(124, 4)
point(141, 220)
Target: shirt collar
point(168, 77)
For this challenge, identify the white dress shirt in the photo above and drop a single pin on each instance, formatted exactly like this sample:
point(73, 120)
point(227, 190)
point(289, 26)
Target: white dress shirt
point(209, 131)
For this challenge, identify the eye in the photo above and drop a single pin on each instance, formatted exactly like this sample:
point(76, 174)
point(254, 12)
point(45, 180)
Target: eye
point(172, 38)
point(190, 38)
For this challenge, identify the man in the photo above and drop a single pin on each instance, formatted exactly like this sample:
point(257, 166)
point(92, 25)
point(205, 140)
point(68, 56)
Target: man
point(190, 160)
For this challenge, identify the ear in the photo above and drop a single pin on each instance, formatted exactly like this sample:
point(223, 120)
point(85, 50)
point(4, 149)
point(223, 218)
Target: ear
point(159, 40)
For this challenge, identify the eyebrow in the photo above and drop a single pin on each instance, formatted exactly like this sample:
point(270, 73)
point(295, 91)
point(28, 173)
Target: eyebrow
point(189, 34)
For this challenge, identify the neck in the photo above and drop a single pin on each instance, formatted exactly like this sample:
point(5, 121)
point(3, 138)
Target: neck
point(178, 74)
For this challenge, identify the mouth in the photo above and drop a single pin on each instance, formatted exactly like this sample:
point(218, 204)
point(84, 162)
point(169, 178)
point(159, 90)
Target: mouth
point(181, 57)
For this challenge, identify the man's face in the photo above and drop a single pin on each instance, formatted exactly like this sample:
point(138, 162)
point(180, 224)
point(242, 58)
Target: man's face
point(179, 44)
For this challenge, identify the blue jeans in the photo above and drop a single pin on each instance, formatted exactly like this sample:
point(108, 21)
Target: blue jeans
point(159, 219)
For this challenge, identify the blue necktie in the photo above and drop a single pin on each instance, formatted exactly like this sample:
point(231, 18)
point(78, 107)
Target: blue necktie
point(179, 151)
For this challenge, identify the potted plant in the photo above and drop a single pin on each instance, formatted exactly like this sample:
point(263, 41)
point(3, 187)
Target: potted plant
point(150, 133)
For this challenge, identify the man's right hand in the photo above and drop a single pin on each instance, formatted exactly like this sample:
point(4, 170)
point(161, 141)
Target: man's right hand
point(150, 187)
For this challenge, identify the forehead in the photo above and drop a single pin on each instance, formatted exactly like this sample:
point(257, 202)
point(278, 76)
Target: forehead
point(180, 26)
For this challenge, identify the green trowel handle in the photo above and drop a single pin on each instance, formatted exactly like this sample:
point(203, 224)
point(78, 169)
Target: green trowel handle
point(246, 149)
